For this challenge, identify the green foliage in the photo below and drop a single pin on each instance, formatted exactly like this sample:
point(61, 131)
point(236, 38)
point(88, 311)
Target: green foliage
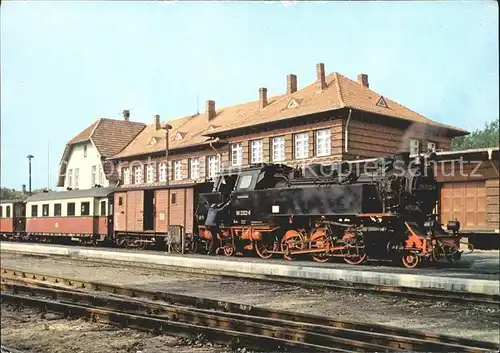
point(13, 194)
point(10, 194)
point(487, 137)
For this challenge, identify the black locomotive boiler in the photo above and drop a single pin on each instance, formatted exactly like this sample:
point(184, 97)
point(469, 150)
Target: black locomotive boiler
point(380, 210)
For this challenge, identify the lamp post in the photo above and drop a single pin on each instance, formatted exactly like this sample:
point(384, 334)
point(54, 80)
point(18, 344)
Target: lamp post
point(166, 127)
point(30, 157)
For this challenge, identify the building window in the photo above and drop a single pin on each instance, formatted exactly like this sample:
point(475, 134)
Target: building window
point(57, 209)
point(126, 176)
point(194, 168)
point(236, 154)
point(213, 166)
point(178, 170)
point(77, 172)
point(278, 146)
point(137, 174)
point(120, 201)
point(323, 142)
point(150, 175)
point(103, 208)
point(301, 142)
point(257, 151)
point(7, 211)
point(85, 150)
point(70, 178)
point(45, 210)
point(34, 210)
point(414, 146)
point(163, 171)
point(101, 175)
point(94, 175)
point(70, 209)
point(431, 147)
point(85, 209)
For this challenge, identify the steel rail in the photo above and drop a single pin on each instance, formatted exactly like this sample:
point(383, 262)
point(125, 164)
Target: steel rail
point(158, 325)
point(490, 300)
point(292, 331)
point(400, 338)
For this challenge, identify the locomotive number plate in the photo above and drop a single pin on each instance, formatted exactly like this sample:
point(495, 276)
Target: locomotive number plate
point(243, 212)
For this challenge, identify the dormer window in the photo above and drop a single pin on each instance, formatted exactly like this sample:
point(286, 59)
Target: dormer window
point(382, 103)
point(154, 140)
point(293, 104)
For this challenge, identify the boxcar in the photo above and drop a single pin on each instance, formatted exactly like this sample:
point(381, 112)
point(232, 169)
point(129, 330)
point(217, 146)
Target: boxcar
point(12, 218)
point(81, 215)
point(144, 216)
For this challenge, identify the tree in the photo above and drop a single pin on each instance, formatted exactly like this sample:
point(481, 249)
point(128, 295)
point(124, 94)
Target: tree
point(487, 137)
point(10, 194)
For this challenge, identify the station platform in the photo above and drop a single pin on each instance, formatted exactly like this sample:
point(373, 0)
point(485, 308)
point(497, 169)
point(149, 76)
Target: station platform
point(475, 273)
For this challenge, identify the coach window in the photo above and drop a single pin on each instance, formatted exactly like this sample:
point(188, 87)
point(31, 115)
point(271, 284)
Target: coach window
point(85, 208)
point(34, 210)
point(174, 198)
point(70, 209)
point(120, 201)
point(7, 211)
point(1, 209)
point(103, 208)
point(45, 210)
point(57, 209)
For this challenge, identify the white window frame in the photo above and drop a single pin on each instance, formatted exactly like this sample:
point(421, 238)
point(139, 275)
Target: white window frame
point(77, 177)
point(70, 178)
point(431, 146)
point(213, 165)
point(301, 145)
point(137, 170)
point(257, 148)
point(126, 176)
point(163, 171)
point(323, 142)
point(150, 175)
point(278, 146)
point(414, 146)
point(101, 175)
point(177, 170)
point(236, 154)
point(194, 168)
point(93, 176)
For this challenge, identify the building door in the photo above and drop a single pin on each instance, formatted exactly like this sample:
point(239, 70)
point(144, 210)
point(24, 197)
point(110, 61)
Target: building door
point(465, 201)
point(149, 206)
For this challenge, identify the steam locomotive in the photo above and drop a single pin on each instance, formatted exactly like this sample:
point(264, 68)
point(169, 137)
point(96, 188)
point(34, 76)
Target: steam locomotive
point(355, 212)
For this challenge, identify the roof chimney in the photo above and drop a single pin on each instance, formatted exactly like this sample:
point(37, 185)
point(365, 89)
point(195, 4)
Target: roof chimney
point(320, 74)
point(126, 115)
point(262, 97)
point(157, 122)
point(363, 80)
point(210, 110)
point(291, 84)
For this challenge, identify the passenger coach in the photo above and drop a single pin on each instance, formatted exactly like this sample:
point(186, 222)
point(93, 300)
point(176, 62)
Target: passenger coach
point(12, 215)
point(79, 215)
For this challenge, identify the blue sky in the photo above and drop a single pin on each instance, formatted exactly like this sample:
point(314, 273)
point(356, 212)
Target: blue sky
point(65, 64)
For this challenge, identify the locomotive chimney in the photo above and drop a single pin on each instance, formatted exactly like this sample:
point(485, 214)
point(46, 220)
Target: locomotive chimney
point(262, 97)
point(24, 189)
point(291, 84)
point(157, 122)
point(363, 80)
point(126, 115)
point(320, 74)
point(210, 109)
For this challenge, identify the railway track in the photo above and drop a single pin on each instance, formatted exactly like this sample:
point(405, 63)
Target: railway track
point(414, 293)
point(222, 322)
